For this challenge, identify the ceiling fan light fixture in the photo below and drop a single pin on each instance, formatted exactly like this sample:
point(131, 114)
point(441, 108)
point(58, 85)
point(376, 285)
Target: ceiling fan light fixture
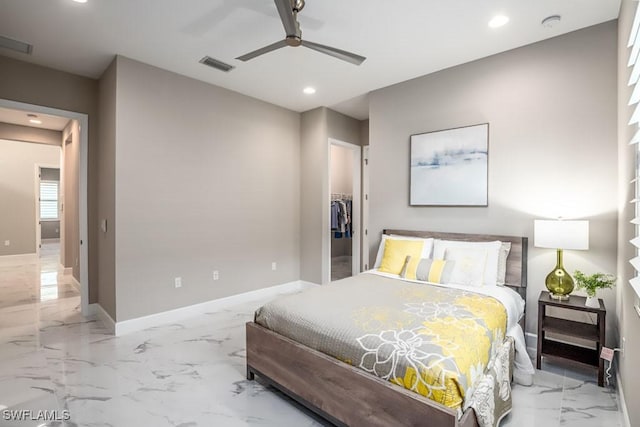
point(288, 11)
point(498, 21)
point(298, 5)
point(309, 90)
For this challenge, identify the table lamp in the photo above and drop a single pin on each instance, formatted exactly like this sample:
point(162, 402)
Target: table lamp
point(559, 235)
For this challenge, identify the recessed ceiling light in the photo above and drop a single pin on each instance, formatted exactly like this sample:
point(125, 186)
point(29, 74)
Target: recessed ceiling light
point(34, 119)
point(80, 1)
point(498, 21)
point(309, 90)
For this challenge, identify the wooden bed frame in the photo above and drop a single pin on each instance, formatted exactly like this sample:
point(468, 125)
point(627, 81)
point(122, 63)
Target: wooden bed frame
point(349, 396)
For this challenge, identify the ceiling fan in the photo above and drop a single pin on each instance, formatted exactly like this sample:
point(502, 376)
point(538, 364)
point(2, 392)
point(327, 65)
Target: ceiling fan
point(288, 11)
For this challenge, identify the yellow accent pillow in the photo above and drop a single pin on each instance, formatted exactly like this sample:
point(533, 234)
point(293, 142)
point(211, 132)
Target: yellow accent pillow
point(395, 254)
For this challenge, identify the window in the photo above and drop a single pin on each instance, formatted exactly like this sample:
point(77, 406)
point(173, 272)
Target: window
point(634, 61)
point(49, 200)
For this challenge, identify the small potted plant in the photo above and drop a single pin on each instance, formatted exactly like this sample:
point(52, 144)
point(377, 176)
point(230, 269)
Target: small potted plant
point(592, 283)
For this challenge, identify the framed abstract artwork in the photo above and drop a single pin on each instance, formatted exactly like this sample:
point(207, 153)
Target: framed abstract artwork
point(450, 167)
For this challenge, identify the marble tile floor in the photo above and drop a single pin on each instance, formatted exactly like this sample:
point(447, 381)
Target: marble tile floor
point(191, 373)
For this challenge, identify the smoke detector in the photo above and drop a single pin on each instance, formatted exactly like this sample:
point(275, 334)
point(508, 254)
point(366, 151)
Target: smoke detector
point(551, 21)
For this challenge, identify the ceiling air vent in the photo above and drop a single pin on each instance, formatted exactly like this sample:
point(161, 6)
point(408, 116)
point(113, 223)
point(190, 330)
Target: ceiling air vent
point(218, 65)
point(16, 45)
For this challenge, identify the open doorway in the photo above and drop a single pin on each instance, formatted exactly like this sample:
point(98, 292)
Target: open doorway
point(71, 194)
point(47, 197)
point(345, 208)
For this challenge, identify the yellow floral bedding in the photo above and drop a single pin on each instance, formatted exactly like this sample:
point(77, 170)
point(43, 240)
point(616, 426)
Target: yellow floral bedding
point(433, 340)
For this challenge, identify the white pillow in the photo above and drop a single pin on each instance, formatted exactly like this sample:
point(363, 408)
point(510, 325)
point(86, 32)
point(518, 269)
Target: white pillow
point(469, 265)
point(426, 248)
point(493, 254)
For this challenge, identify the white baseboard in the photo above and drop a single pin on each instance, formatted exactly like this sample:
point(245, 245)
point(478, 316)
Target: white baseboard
point(97, 310)
point(624, 414)
point(170, 316)
point(532, 344)
point(65, 270)
point(18, 259)
point(75, 283)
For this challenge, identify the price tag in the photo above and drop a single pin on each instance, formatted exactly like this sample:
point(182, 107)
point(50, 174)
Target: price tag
point(606, 354)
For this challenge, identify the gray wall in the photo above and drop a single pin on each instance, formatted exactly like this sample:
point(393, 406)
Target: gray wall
point(18, 193)
point(8, 131)
point(628, 319)
point(314, 182)
point(227, 200)
point(552, 147)
point(318, 126)
point(106, 242)
point(30, 134)
point(341, 170)
point(70, 243)
point(34, 84)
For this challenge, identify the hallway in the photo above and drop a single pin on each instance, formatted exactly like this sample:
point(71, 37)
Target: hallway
point(29, 281)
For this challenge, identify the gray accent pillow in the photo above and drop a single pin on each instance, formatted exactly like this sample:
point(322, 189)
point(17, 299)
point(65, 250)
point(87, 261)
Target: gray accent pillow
point(439, 270)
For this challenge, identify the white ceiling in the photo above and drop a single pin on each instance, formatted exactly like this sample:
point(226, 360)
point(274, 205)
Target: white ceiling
point(19, 117)
point(401, 39)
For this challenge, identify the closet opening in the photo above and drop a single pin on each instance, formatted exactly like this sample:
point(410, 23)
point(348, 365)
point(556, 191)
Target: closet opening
point(345, 208)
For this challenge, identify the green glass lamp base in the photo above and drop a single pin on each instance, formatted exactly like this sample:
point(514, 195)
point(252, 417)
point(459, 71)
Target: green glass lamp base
point(559, 282)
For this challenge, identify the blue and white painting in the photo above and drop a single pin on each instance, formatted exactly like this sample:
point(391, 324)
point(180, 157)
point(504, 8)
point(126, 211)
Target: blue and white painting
point(449, 167)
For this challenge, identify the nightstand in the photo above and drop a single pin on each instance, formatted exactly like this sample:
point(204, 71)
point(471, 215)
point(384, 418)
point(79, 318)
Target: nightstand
point(572, 354)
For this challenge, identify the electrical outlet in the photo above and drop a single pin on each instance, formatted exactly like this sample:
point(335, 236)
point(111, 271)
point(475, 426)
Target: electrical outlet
point(7, 242)
point(178, 282)
point(274, 266)
point(216, 275)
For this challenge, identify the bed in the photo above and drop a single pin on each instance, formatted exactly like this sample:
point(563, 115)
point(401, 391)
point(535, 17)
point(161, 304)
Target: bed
point(320, 347)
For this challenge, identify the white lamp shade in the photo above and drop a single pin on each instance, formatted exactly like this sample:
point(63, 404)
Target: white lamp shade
point(560, 234)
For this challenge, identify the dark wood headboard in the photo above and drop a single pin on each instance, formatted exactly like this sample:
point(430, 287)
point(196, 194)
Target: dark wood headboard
point(516, 277)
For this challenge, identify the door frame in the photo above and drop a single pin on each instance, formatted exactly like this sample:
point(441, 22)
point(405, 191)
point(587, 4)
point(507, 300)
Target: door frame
point(365, 210)
point(83, 120)
point(355, 208)
point(38, 167)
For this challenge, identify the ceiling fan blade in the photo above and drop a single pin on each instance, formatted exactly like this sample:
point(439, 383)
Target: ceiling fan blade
point(262, 50)
point(337, 53)
point(291, 27)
